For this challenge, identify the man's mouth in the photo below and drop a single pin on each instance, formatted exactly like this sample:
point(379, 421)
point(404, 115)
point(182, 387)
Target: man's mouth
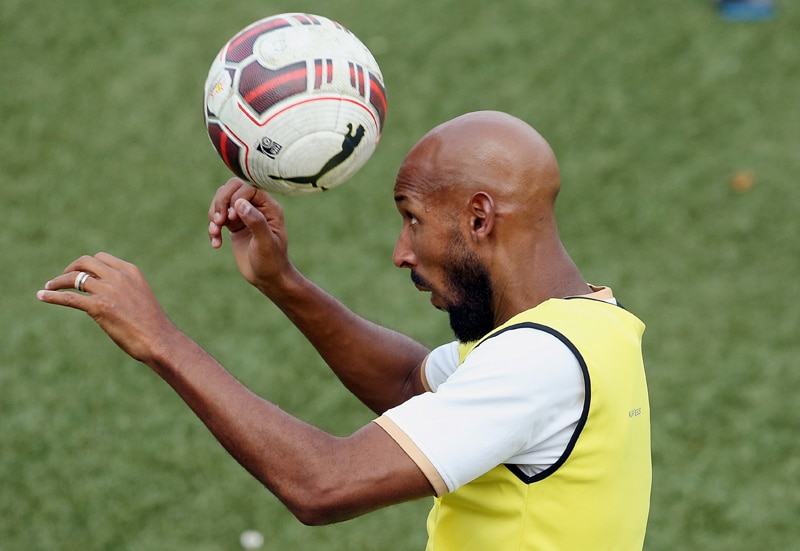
point(420, 283)
point(424, 287)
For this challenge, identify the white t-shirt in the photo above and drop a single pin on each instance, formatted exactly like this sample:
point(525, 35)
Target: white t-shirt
point(515, 400)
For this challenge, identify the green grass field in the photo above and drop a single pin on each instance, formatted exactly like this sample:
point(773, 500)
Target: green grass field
point(651, 107)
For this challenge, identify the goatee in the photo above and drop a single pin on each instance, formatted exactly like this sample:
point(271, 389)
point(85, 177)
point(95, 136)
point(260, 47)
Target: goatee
point(469, 300)
point(472, 311)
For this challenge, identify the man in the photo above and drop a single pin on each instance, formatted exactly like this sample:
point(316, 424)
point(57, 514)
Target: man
point(532, 429)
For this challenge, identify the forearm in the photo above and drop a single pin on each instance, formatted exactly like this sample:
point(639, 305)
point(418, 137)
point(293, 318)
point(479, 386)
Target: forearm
point(238, 418)
point(319, 477)
point(276, 448)
point(378, 365)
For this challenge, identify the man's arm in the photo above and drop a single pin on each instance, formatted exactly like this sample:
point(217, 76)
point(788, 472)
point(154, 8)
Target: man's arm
point(320, 478)
point(380, 366)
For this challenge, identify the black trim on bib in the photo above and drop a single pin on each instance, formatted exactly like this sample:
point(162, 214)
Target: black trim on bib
point(586, 401)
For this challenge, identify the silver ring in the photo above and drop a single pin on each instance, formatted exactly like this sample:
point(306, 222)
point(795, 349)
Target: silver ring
point(80, 280)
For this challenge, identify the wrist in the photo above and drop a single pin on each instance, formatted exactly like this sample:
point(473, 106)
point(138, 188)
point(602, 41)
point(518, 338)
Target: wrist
point(287, 284)
point(164, 351)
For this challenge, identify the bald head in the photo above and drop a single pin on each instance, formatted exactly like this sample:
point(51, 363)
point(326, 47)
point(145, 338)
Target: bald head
point(477, 195)
point(485, 151)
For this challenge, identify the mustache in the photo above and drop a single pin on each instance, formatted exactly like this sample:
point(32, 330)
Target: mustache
point(415, 277)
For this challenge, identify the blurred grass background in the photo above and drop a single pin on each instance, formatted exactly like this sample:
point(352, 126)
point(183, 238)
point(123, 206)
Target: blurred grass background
point(652, 109)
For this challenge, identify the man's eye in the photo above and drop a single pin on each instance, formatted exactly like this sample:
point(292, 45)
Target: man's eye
point(412, 220)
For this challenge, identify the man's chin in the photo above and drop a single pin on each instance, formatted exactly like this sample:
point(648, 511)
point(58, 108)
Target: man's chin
point(437, 303)
point(469, 328)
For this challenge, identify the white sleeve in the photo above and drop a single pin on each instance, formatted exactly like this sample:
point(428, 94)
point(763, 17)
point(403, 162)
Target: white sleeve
point(515, 400)
point(440, 364)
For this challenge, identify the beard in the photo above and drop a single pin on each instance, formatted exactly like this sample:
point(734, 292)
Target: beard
point(469, 301)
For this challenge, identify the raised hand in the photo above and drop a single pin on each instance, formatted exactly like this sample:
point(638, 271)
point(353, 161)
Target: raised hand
point(257, 232)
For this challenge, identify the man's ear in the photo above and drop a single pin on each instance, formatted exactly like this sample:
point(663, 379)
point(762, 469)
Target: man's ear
point(481, 215)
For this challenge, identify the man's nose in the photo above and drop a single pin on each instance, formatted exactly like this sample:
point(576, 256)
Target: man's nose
point(403, 256)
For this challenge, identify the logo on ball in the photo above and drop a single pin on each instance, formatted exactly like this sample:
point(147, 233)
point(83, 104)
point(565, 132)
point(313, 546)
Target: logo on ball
point(268, 147)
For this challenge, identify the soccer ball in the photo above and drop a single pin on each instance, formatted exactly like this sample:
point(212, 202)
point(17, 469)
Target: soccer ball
point(295, 103)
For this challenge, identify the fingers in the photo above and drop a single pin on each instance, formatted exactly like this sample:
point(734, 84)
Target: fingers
point(223, 213)
point(76, 275)
point(71, 280)
point(98, 265)
point(83, 274)
point(220, 204)
point(75, 300)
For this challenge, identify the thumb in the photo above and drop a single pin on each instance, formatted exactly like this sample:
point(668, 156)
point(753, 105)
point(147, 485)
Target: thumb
point(251, 216)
